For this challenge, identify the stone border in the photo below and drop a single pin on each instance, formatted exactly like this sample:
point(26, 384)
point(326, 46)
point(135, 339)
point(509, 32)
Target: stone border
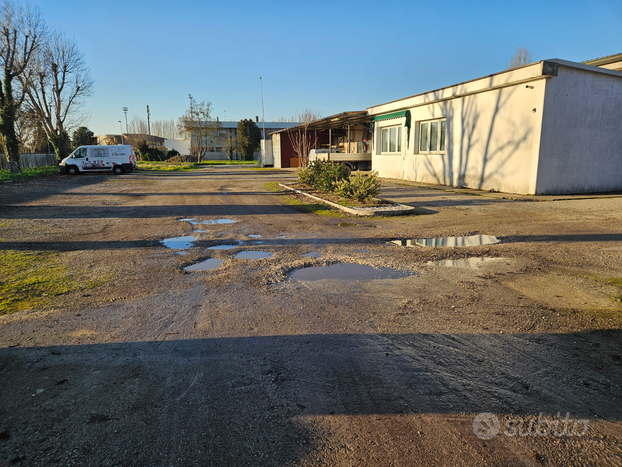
point(395, 210)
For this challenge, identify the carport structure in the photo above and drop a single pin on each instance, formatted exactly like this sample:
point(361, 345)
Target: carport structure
point(339, 134)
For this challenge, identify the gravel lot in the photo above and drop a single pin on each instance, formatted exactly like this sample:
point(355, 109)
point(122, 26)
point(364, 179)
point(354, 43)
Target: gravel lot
point(241, 365)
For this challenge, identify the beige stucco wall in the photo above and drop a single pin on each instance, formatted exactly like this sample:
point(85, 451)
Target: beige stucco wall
point(581, 148)
point(493, 133)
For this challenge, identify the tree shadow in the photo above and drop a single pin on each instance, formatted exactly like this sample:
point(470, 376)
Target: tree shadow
point(244, 401)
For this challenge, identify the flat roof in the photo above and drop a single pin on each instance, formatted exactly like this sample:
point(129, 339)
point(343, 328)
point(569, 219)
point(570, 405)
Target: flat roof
point(337, 121)
point(542, 69)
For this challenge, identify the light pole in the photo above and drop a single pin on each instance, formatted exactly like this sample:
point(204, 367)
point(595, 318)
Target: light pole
point(125, 111)
point(148, 121)
point(224, 119)
point(121, 127)
point(263, 118)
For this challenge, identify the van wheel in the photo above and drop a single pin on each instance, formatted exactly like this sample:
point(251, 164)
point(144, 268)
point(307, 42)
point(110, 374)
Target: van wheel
point(72, 170)
point(349, 167)
point(118, 170)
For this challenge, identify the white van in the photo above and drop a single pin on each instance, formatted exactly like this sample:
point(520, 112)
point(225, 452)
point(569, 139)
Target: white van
point(118, 159)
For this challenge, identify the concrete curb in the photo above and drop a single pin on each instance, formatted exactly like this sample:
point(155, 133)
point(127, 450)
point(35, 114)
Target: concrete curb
point(359, 212)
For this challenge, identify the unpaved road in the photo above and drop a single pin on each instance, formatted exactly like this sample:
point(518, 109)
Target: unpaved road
point(242, 365)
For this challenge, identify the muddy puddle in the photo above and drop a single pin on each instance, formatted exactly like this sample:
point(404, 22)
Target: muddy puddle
point(210, 263)
point(253, 255)
point(473, 240)
point(193, 221)
point(347, 272)
point(464, 263)
point(179, 243)
point(254, 236)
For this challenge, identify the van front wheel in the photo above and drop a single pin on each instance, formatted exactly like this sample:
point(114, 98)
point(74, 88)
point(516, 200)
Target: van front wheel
point(72, 170)
point(118, 170)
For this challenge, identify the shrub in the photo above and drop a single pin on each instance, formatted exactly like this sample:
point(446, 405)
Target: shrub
point(172, 153)
point(180, 158)
point(360, 187)
point(322, 175)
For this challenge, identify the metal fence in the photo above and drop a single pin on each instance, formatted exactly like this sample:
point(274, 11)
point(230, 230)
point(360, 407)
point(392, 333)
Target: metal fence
point(31, 161)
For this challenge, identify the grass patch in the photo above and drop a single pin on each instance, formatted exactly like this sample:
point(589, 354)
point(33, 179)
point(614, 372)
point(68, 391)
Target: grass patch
point(221, 162)
point(6, 175)
point(30, 279)
point(166, 166)
point(316, 208)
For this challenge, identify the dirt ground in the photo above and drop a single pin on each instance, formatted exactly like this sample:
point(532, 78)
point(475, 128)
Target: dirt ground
point(243, 365)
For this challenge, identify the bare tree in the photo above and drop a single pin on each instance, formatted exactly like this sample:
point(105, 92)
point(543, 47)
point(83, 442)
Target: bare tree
point(203, 131)
point(164, 128)
point(520, 58)
point(21, 32)
point(231, 145)
point(301, 139)
point(61, 82)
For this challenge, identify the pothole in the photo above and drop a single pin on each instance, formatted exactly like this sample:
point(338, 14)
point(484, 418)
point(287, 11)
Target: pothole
point(211, 263)
point(179, 243)
point(473, 240)
point(212, 222)
point(253, 255)
point(464, 263)
point(347, 272)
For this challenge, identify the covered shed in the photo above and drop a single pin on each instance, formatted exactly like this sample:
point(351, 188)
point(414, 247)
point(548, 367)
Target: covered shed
point(343, 133)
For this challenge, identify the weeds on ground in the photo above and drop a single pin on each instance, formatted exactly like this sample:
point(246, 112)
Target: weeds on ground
point(166, 166)
point(222, 162)
point(316, 208)
point(6, 175)
point(30, 279)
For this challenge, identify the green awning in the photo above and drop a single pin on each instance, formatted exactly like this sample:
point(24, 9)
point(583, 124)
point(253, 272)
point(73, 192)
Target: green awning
point(404, 113)
point(380, 118)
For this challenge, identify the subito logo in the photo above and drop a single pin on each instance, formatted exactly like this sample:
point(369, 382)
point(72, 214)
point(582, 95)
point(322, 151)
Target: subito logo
point(486, 426)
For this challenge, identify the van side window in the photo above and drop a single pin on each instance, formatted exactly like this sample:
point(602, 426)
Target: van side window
point(80, 153)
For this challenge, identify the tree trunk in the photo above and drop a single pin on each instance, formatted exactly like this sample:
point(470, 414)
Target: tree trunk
point(8, 109)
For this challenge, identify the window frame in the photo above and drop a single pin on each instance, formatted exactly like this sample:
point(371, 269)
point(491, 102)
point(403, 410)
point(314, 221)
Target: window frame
point(396, 142)
point(440, 136)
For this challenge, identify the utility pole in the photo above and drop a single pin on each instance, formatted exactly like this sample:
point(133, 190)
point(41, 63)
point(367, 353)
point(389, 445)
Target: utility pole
point(263, 118)
point(148, 121)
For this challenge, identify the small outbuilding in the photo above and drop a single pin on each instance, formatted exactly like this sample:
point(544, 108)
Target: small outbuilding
point(550, 127)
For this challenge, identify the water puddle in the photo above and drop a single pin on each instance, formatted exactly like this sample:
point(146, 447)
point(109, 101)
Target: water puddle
point(200, 231)
point(473, 240)
point(347, 224)
point(464, 263)
point(253, 255)
point(179, 243)
point(223, 247)
point(187, 220)
point(211, 263)
point(347, 272)
point(212, 222)
point(312, 254)
point(254, 235)
point(362, 251)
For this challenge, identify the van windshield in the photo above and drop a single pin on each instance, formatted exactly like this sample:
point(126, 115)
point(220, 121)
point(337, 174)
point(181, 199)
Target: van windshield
point(79, 153)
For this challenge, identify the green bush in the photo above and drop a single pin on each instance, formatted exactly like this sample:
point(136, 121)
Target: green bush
point(172, 153)
point(360, 187)
point(322, 175)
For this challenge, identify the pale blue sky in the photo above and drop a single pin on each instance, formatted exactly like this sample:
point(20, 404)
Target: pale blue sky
point(330, 56)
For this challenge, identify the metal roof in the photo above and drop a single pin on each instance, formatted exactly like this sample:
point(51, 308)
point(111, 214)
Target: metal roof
point(604, 60)
point(337, 121)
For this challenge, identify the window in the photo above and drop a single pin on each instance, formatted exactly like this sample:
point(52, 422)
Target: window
point(432, 136)
point(391, 139)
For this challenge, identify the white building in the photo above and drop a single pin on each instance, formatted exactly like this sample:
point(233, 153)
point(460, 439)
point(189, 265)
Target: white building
point(548, 127)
